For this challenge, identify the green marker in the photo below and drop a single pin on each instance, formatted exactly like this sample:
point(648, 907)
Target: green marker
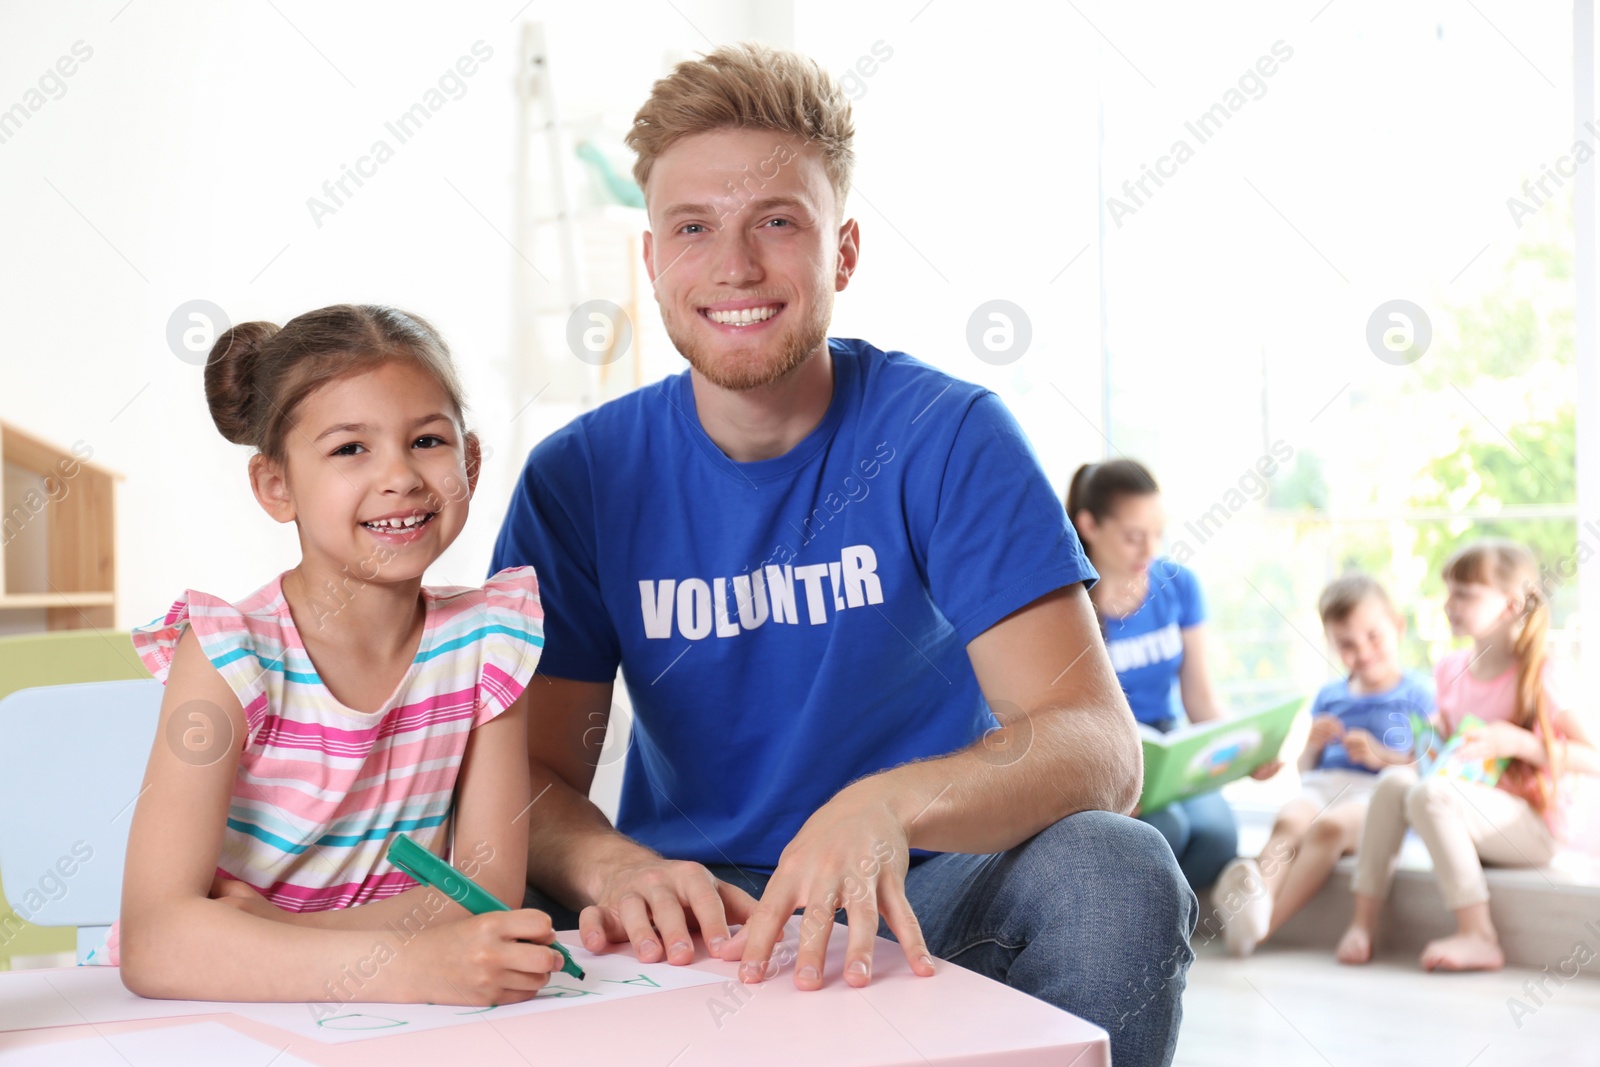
point(429, 869)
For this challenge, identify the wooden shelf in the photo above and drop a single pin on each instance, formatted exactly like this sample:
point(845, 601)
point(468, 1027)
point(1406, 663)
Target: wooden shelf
point(57, 532)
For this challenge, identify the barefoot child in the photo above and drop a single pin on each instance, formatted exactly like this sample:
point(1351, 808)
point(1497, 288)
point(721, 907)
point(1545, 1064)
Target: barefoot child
point(341, 703)
point(1360, 725)
point(1492, 596)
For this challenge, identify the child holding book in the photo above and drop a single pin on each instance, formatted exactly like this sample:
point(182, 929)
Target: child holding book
point(1502, 799)
point(1360, 724)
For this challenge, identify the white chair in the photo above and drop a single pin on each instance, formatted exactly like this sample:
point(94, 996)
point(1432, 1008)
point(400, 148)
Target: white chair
point(76, 756)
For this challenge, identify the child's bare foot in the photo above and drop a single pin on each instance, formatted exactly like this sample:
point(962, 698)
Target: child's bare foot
point(1355, 946)
point(1464, 952)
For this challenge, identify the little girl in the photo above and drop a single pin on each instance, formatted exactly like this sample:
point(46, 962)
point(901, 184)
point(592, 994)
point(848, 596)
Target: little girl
point(1492, 597)
point(340, 704)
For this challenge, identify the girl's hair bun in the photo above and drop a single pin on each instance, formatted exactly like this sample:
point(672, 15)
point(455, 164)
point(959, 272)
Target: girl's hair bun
point(258, 375)
point(231, 387)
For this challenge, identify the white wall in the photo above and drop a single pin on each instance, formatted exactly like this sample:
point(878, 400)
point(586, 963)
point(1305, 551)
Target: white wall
point(975, 181)
point(177, 164)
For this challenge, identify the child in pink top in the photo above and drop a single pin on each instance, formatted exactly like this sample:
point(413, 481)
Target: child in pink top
point(341, 703)
point(1462, 692)
point(1492, 597)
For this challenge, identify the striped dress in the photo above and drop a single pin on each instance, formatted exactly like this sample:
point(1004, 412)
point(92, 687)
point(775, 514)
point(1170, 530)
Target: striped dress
point(321, 788)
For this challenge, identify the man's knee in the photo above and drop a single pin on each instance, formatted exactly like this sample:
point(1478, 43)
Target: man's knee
point(1144, 906)
point(1098, 830)
point(1128, 857)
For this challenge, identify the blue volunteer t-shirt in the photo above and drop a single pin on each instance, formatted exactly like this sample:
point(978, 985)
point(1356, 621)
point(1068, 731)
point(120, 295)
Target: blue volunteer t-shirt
point(1386, 716)
point(785, 626)
point(1146, 647)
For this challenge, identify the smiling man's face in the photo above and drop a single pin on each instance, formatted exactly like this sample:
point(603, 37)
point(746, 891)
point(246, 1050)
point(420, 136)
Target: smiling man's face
point(746, 251)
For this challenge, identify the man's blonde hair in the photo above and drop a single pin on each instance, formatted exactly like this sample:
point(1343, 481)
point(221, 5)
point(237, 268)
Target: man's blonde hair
point(748, 86)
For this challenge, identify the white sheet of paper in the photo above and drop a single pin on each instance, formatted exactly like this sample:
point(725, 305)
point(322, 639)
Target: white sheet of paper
point(202, 1044)
point(606, 978)
point(33, 999)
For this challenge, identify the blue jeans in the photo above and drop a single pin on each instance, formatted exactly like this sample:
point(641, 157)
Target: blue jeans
point(1091, 915)
point(1203, 833)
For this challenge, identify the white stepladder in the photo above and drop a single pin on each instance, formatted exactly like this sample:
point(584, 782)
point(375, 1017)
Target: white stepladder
point(576, 325)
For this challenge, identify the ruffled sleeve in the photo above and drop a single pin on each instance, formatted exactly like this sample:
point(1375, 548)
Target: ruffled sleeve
point(224, 638)
point(513, 637)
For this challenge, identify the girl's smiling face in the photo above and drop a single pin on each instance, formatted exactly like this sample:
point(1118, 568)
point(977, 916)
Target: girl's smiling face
point(378, 473)
point(1476, 608)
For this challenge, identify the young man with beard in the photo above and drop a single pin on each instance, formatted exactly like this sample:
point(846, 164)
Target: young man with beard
point(850, 612)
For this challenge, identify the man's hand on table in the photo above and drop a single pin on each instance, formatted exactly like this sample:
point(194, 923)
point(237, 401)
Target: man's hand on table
point(653, 903)
point(852, 853)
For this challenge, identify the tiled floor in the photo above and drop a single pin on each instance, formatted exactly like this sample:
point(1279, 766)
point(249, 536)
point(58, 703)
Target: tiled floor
point(1288, 1008)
